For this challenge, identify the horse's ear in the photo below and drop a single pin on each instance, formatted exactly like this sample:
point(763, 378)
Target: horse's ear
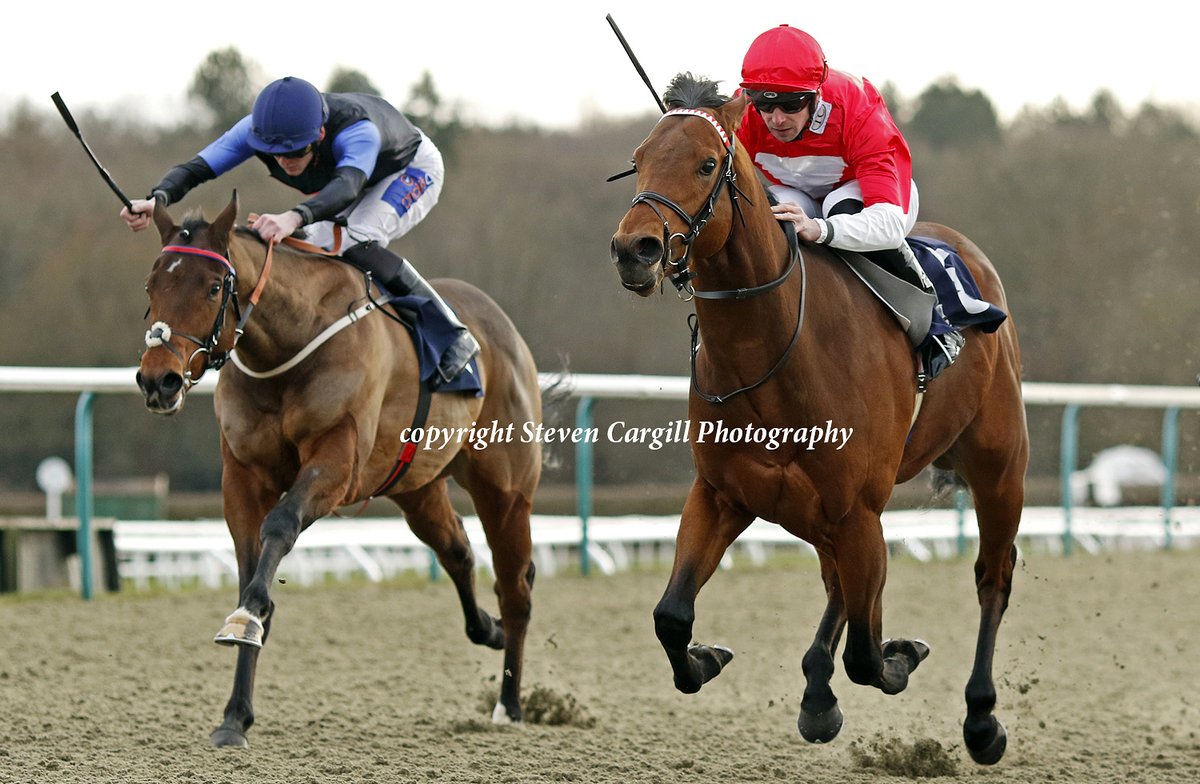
point(221, 228)
point(162, 220)
point(733, 111)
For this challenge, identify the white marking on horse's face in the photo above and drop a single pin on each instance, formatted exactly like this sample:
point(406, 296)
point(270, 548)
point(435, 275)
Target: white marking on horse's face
point(174, 264)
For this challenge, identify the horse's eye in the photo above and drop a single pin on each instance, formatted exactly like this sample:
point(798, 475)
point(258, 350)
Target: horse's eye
point(215, 290)
point(708, 167)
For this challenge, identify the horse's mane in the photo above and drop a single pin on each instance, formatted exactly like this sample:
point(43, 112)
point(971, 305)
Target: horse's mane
point(248, 233)
point(687, 91)
point(195, 221)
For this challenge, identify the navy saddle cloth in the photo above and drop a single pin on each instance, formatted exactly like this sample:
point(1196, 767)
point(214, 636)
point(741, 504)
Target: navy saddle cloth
point(959, 302)
point(432, 334)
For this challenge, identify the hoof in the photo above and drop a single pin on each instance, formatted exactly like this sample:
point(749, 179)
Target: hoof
point(916, 651)
point(223, 737)
point(241, 628)
point(990, 754)
point(489, 631)
point(501, 716)
point(707, 662)
point(704, 662)
point(820, 727)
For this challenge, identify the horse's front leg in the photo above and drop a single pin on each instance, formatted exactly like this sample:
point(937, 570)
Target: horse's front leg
point(246, 503)
point(707, 528)
point(861, 557)
point(820, 718)
point(326, 470)
point(327, 465)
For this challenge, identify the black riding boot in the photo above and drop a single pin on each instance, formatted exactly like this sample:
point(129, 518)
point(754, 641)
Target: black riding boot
point(942, 350)
point(400, 278)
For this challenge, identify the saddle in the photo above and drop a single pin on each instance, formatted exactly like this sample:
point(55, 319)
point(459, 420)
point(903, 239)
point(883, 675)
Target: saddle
point(925, 317)
point(431, 333)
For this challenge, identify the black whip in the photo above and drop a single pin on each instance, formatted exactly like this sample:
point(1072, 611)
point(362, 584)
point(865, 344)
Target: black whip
point(633, 59)
point(70, 121)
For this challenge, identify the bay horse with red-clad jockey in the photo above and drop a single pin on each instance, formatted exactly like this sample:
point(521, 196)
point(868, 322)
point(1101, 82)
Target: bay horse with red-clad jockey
point(788, 336)
point(312, 411)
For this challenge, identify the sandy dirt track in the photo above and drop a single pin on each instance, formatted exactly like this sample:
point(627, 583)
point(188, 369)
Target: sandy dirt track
point(1096, 673)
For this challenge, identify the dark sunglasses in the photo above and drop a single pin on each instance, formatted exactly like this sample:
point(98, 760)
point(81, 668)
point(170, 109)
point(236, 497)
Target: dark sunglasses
point(297, 153)
point(767, 101)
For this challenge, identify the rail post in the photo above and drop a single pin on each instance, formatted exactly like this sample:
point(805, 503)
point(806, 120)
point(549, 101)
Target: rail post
point(83, 490)
point(1170, 458)
point(1069, 459)
point(583, 478)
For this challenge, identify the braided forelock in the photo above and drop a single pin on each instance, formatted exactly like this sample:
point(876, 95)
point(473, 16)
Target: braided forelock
point(693, 92)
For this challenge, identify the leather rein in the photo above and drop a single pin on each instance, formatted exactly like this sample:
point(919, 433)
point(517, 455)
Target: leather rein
point(682, 276)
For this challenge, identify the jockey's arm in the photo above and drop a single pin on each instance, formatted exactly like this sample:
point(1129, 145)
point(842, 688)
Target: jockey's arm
point(356, 149)
point(879, 226)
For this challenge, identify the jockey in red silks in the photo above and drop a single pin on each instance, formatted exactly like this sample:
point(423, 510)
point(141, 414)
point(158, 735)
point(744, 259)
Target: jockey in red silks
point(835, 160)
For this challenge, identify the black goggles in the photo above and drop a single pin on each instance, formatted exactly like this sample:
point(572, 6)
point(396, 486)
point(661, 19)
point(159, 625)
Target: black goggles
point(767, 101)
point(294, 154)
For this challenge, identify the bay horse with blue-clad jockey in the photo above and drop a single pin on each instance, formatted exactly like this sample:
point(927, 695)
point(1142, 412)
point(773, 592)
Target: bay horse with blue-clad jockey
point(788, 336)
point(312, 413)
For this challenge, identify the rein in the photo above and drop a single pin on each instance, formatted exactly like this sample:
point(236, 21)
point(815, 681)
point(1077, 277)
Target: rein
point(683, 276)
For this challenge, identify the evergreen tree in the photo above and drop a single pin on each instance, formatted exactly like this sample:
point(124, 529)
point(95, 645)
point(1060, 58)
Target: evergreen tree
point(225, 84)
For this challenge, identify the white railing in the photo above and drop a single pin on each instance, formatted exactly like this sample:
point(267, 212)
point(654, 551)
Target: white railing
point(175, 553)
point(587, 389)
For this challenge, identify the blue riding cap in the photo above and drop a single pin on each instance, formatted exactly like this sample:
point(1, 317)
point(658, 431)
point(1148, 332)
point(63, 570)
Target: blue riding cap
point(288, 116)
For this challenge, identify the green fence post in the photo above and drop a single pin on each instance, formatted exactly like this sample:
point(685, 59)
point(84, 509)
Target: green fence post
point(1170, 457)
point(1070, 449)
point(583, 479)
point(960, 505)
point(83, 490)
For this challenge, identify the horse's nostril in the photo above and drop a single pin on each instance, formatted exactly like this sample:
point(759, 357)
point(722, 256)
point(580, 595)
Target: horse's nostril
point(172, 383)
point(648, 250)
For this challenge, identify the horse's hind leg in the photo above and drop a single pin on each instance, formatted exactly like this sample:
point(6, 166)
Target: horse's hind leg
point(435, 522)
point(998, 501)
point(504, 513)
point(706, 529)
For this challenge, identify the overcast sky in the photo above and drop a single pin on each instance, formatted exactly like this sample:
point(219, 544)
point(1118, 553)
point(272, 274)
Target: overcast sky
point(557, 63)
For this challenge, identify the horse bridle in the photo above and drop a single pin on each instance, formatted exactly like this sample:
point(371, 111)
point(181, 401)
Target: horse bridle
point(160, 333)
point(682, 276)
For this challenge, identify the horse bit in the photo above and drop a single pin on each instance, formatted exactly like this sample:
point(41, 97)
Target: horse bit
point(682, 276)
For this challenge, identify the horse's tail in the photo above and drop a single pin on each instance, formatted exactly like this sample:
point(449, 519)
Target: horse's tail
point(942, 481)
point(556, 391)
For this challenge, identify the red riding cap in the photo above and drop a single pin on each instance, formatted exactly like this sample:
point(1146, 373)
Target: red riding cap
point(784, 59)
